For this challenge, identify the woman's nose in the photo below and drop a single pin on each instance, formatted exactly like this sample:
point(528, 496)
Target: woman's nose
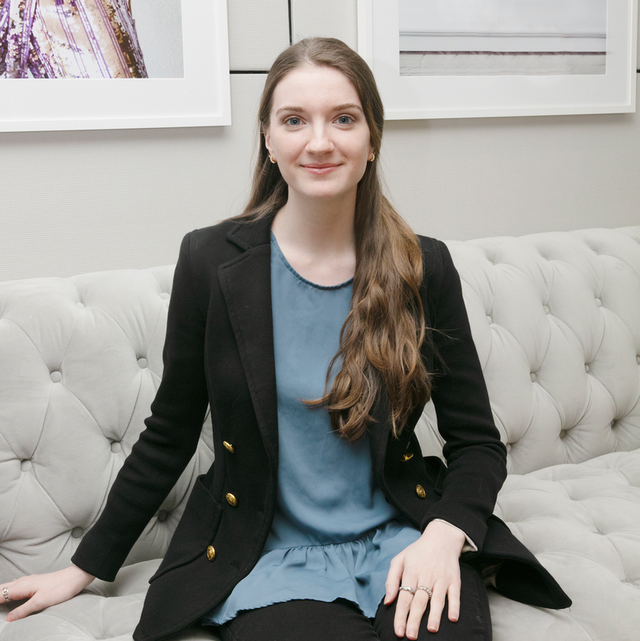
point(320, 141)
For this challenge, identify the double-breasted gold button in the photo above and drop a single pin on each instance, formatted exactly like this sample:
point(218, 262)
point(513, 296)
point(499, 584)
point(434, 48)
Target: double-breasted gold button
point(421, 492)
point(211, 553)
point(231, 500)
point(407, 457)
point(229, 447)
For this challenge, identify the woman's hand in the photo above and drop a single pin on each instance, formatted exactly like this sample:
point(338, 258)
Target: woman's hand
point(45, 590)
point(432, 562)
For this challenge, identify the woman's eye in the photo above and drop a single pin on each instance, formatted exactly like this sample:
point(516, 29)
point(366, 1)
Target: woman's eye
point(344, 120)
point(294, 121)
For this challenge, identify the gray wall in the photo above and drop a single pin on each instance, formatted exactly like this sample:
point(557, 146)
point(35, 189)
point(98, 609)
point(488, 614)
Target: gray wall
point(159, 28)
point(73, 202)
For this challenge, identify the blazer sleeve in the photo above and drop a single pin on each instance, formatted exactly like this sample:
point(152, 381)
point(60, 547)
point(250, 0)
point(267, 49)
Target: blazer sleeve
point(476, 458)
point(171, 435)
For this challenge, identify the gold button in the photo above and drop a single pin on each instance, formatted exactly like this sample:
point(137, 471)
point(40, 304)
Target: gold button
point(407, 457)
point(420, 492)
point(211, 553)
point(229, 447)
point(231, 500)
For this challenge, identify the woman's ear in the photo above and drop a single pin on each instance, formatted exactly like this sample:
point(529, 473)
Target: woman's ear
point(267, 140)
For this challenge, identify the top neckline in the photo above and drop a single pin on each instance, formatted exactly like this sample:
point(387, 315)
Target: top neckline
point(274, 245)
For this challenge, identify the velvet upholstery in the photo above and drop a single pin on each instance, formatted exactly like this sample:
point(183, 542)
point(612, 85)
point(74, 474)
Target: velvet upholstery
point(556, 320)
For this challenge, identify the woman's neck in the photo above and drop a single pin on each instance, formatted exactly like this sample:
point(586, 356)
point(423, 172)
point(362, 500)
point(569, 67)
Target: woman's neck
point(318, 239)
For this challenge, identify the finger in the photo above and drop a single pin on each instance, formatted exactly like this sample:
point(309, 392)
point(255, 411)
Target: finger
point(416, 612)
point(393, 580)
point(453, 601)
point(436, 609)
point(403, 601)
point(23, 589)
point(16, 590)
point(403, 605)
point(32, 605)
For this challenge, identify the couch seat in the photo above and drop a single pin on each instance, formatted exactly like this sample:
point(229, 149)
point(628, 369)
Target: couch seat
point(581, 521)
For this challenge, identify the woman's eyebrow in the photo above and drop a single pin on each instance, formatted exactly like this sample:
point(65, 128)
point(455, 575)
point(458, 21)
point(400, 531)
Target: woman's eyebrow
point(346, 105)
point(289, 109)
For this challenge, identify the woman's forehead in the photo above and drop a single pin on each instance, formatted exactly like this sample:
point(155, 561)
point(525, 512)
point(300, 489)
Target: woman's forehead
point(315, 85)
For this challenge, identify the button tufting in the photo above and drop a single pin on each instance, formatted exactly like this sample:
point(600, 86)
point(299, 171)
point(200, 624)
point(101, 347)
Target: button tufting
point(489, 319)
point(77, 532)
point(638, 360)
point(80, 305)
point(143, 363)
point(598, 302)
point(545, 308)
point(56, 377)
point(586, 367)
point(508, 447)
point(164, 296)
point(116, 447)
point(26, 465)
point(533, 377)
point(162, 515)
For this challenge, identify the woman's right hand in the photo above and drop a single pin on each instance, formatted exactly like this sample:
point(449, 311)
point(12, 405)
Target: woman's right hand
point(45, 590)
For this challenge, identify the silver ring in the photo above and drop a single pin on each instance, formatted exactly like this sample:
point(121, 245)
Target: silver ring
point(426, 589)
point(407, 588)
point(5, 594)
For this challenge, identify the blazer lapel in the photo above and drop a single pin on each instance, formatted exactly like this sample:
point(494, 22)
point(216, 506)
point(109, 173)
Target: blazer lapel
point(246, 286)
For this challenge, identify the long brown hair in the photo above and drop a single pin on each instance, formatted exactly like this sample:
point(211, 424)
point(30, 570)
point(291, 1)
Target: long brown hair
point(381, 337)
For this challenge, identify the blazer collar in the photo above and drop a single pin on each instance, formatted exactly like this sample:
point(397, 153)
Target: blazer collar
point(251, 233)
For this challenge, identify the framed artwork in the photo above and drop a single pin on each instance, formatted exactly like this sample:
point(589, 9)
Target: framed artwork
point(113, 64)
point(470, 59)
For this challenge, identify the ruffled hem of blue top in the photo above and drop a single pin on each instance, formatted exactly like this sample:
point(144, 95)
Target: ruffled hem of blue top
point(355, 571)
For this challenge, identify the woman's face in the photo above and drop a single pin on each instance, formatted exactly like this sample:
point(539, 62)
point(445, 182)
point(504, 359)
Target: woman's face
point(318, 134)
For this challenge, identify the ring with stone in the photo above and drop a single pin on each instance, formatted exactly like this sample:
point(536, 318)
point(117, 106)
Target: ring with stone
point(426, 589)
point(5, 594)
point(407, 588)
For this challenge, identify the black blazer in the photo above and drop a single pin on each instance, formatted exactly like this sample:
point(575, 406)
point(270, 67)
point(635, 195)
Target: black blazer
point(219, 351)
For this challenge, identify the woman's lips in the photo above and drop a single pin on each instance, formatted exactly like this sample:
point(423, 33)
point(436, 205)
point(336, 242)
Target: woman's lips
point(321, 168)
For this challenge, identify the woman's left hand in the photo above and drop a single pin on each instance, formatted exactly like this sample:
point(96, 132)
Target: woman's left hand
point(432, 562)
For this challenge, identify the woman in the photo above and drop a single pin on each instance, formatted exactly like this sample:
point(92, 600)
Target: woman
point(316, 325)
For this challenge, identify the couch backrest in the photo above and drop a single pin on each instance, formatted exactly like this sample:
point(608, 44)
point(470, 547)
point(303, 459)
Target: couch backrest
point(80, 361)
point(556, 319)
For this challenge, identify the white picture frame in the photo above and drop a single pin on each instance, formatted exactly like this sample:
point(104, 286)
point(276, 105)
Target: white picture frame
point(199, 99)
point(415, 97)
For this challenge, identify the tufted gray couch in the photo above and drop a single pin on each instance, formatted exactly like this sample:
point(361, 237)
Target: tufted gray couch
point(556, 318)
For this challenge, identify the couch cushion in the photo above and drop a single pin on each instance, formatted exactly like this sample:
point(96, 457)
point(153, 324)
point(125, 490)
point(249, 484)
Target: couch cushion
point(583, 523)
point(105, 611)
